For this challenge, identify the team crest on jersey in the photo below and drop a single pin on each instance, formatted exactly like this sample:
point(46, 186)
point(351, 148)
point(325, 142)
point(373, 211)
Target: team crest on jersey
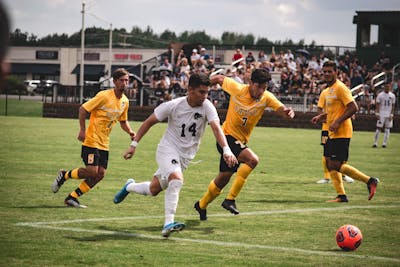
point(197, 115)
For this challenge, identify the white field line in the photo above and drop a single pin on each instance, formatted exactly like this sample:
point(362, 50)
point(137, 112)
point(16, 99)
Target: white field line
point(48, 225)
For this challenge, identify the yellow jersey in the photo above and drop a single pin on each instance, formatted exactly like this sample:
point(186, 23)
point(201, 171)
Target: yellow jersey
point(334, 101)
point(105, 110)
point(244, 112)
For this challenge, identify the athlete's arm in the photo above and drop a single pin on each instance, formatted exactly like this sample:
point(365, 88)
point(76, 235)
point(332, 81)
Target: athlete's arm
point(321, 117)
point(146, 125)
point(127, 128)
point(229, 158)
point(217, 79)
point(82, 123)
point(350, 110)
point(285, 112)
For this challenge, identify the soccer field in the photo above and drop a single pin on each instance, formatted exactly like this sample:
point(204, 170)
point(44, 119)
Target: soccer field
point(284, 219)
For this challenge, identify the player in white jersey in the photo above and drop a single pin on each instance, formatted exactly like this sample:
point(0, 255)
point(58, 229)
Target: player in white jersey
point(385, 102)
point(187, 118)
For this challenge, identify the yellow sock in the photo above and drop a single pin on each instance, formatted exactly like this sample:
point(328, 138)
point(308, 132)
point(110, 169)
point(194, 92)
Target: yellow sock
point(326, 171)
point(212, 193)
point(354, 173)
point(72, 174)
point(240, 179)
point(337, 182)
point(82, 189)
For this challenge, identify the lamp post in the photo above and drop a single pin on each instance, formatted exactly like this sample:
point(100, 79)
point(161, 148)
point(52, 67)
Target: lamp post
point(109, 47)
point(82, 72)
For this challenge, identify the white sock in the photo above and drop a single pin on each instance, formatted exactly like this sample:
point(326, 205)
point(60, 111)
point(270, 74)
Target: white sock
point(386, 136)
point(376, 136)
point(139, 188)
point(171, 200)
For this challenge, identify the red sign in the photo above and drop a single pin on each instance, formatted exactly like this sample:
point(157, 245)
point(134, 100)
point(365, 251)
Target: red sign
point(128, 56)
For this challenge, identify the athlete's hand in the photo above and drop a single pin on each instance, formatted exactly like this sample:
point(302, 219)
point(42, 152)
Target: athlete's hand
point(132, 135)
point(289, 112)
point(129, 152)
point(334, 126)
point(81, 135)
point(230, 159)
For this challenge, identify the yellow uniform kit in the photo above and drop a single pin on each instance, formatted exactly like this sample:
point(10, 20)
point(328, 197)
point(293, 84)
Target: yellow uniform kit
point(245, 111)
point(105, 110)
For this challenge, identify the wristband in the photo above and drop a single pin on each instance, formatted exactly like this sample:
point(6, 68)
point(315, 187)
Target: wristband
point(134, 143)
point(226, 150)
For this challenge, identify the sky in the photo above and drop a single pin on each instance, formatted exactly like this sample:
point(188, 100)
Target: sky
point(326, 22)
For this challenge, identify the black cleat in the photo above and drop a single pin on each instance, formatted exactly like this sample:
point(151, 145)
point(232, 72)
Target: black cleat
point(372, 184)
point(73, 202)
point(59, 181)
point(230, 206)
point(202, 212)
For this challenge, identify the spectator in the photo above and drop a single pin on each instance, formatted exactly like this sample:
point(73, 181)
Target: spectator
point(194, 57)
point(203, 55)
point(313, 64)
point(262, 57)
point(292, 65)
point(238, 55)
point(356, 79)
point(250, 58)
point(288, 55)
point(167, 64)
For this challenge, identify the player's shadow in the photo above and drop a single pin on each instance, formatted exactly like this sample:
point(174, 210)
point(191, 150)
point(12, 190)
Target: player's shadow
point(41, 207)
point(282, 201)
point(137, 232)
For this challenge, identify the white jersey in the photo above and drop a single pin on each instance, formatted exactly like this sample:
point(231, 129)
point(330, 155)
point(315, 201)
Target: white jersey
point(186, 124)
point(386, 102)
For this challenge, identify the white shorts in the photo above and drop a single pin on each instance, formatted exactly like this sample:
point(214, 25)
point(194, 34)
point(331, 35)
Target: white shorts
point(169, 161)
point(384, 123)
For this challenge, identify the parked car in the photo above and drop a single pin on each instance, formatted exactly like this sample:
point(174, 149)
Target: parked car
point(31, 86)
point(46, 87)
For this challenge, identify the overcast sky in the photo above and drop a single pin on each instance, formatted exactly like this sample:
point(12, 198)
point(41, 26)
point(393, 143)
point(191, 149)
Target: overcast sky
point(326, 22)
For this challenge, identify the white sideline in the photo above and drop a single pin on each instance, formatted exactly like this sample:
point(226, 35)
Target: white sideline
point(48, 225)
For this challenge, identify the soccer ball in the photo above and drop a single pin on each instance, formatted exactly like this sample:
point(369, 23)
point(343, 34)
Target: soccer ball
point(348, 237)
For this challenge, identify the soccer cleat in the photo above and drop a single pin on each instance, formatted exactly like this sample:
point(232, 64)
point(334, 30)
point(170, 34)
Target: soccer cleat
point(121, 195)
point(172, 227)
point(372, 184)
point(339, 198)
point(347, 179)
point(59, 181)
point(323, 181)
point(202, 212)
point(73, 202)
point(383, 146)
point(230, 205)
point(374, 146)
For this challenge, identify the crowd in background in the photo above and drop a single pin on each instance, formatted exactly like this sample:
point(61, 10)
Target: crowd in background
point(299, 74)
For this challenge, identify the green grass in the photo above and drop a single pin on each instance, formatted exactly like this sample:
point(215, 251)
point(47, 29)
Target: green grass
point(284, 218)
point(23, 107)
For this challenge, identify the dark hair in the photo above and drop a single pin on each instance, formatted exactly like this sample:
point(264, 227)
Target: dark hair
point(330, 63)
point(260, 76)
point(199, 79)
point(4, 31)
point(118, 73)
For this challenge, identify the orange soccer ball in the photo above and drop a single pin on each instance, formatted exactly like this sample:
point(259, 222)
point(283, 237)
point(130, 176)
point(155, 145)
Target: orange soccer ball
point(348, 237)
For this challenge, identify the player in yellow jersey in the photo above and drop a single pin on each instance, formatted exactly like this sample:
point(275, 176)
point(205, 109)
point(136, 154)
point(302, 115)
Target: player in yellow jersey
point(246, 107)
point(338, 107)
point(106, 109)
point(324, 138)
